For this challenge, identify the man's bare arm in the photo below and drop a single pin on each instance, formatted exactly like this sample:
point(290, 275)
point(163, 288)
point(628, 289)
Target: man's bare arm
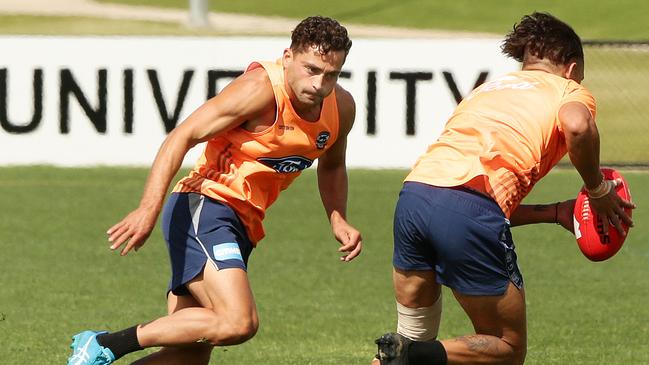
point(245, 98)
point(332, 180)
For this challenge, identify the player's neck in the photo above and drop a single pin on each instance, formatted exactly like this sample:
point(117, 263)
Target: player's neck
point(545, 66)
point(309, 113)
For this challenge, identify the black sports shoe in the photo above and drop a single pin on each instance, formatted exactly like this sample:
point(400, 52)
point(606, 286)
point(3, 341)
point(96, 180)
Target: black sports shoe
point(393, 349)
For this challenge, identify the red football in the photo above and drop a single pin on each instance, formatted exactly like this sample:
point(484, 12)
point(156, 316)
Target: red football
point(589, 231)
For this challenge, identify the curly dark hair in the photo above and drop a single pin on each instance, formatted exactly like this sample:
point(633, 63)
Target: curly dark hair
point(543, 36)
point(325, 33)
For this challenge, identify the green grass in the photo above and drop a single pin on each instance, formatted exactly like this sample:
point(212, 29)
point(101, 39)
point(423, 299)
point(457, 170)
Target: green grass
point(624, 19)
point(67, 25)
point(591, 19)
point(59, 277)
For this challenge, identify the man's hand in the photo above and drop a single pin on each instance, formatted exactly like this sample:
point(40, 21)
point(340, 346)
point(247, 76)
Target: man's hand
point(349, 237)
point(565, 211)
point(610, 208)
point(133, 230)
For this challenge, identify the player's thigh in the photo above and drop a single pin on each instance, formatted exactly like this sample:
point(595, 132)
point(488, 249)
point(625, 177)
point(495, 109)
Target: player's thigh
point(224, 290)
point(415, 289)
point(501, 316)
point(178, 302)
point(209, 249)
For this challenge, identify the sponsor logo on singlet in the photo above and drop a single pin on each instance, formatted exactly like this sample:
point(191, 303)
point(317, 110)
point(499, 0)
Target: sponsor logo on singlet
point(286, 164)
point(503, 83)
point(322, 139)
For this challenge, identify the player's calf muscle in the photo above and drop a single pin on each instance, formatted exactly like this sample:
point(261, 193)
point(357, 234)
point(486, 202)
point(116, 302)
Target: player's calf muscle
point(478, 346)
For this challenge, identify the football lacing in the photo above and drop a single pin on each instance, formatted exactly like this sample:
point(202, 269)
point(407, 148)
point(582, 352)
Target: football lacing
point(585, 210)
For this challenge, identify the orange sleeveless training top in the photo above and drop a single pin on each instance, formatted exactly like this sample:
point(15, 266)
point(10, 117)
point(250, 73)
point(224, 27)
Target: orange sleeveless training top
point(503, 138)
point(247, 170)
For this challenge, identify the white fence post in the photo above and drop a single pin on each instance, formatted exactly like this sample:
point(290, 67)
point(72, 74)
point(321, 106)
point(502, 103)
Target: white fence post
point(198, 13)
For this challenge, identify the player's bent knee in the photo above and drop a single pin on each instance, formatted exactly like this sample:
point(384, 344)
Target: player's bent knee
point(242, 331)
point(232, 331)
point(419, 324)
point(519, 355)
point(517, 350)
point(516, 357)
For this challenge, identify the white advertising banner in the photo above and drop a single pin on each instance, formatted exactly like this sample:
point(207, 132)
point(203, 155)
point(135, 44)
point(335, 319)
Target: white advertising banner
point(84, 101)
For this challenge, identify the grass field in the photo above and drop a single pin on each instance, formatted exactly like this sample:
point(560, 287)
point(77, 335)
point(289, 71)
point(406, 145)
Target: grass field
point(58, 276)
point(495, 16)
point(68, 25)
point(624, 19)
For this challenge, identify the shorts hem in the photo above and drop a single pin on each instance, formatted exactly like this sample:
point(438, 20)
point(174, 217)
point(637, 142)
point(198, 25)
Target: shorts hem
point(178, 286)
point(413, 268)
point(492, 292)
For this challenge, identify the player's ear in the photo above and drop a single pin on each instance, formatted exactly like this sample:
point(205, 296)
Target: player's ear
point(287, 57)
point(574, 71)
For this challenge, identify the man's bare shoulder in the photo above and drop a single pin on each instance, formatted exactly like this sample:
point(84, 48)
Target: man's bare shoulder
point(248, 95)
point(258, 75)
point(255, 83)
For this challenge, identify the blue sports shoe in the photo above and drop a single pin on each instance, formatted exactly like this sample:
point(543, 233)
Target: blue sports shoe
point(87, 351)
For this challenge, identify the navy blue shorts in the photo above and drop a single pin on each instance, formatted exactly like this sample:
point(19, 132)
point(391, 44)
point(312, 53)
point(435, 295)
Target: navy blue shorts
point(462, 235)
point(198, 229)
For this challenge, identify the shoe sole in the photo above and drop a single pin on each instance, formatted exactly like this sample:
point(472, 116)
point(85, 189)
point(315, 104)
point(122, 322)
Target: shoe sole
point(75, 338)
